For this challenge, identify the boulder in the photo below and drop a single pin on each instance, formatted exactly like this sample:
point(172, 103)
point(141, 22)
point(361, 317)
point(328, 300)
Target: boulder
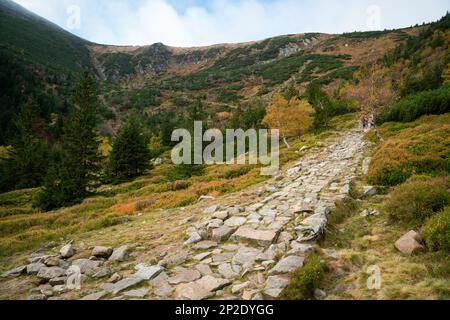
point(174, 259)
point(104, 272)
point(33, 268)
point(222, 233)
point(67, 251)
point(88, 267)
point(16, 272)
point(120, 253)
point(194, 237)
point(221, 215)
point(212, 284)
point(409, 244)
point(102, 252)
point(48, 273)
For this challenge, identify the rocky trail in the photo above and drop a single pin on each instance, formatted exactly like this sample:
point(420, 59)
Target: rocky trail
point(243, 250)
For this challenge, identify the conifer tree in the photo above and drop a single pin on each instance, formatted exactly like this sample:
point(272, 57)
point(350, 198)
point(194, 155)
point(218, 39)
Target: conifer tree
point(130, 155)
point(75, 173)
point(27, 163)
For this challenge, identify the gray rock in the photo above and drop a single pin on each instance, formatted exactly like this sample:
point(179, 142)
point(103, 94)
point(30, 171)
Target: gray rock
point(212, 284)
point(194, 237)
point(222, 233)
point(234, 222)
point(275, 286)
point(33, 268)
point(159, 279)
point(192, 291)
point(120, 254)
point(138, 293)
point(211, 210)
point(87, 266)
point(122, 284)
point(205, 245)
point(104, 272)
point(164, 291)
point(227, 272)
point(51, 261)
point(240, 287)
point(174, 259)
point(115, 278)
point(319, 294)
point(95, 296)
point(202, 256)
point(58, 281)
point(204, 269)
point(301, 249)
point(408, 244)
point(261, 237)
point(102, 252)
point(185, 276)
point(148, 272)
point(370, 191)
point(246, 256)
point(37, 297)
point(67, 251)
point(221, 215)
point(48, 273)
point(287, 265)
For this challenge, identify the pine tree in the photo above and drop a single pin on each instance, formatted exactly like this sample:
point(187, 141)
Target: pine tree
point(78, 168)
point(27, 162)
point(130, 156)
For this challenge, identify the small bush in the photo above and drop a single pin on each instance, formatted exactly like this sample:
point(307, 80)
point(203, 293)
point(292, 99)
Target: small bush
point(418, 199)
point(177, 185)
point(305, 280)
point(437, 231)
point(235, 173)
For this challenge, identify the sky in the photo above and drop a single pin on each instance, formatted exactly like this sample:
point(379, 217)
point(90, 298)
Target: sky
point(186, 23)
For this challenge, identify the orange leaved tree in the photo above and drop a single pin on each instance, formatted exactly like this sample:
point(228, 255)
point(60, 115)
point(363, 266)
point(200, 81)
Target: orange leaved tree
point(292, 118)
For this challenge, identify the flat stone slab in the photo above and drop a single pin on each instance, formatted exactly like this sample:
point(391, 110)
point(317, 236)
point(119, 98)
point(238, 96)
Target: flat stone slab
point(235, 222)
point(139, 293)
point(287, 265)
point(148, 272)
point(185, 277)
point(95, 296)
point(261, 237)
point(275, 286)
point(122, 285)
point(205, 245)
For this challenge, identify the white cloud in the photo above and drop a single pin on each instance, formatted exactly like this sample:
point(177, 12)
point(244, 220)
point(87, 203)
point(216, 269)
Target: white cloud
point(139, 22)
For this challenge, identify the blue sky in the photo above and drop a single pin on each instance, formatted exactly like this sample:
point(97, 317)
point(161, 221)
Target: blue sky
point(205, 22)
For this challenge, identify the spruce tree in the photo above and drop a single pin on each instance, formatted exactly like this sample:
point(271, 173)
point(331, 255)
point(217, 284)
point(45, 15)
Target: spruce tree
point(27, 163)
point(130, 155)
point(77, 170)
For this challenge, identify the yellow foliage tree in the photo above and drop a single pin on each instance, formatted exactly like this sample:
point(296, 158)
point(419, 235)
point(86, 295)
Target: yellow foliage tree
point(292, 118)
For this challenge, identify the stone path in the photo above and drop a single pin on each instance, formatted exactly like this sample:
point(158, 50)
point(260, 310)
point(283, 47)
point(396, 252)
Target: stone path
point(242, 251)
point(250, 250)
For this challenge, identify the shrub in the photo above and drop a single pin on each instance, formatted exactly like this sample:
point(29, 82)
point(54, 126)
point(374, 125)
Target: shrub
point(177, 185)
point(437, 231)
point(418, 199)
point(305, 280)
point(416, 105)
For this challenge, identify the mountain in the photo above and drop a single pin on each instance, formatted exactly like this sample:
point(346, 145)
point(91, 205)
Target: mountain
point(41, 59)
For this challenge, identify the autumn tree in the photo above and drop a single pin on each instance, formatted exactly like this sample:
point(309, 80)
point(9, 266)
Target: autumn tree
point(292, 118)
